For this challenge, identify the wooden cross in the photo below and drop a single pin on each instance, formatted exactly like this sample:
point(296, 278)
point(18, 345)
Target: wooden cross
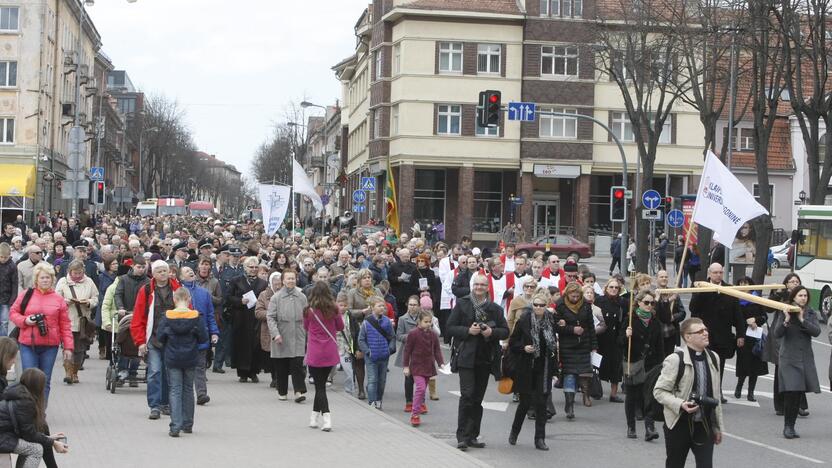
point(736, 291)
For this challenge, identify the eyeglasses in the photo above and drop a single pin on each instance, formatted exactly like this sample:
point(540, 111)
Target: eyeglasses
point(529, 286)
point(613, 287)
point(701, 331)
point(648, 302)
point(539, 305)
point(37, 252)
point(413, 304)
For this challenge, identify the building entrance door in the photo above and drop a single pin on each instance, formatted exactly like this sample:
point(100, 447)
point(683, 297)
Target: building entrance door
point(546, 218)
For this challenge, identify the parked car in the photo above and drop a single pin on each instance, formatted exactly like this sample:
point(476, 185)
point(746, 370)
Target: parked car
point(560, 245)
point(780, 254)
point(369, 229)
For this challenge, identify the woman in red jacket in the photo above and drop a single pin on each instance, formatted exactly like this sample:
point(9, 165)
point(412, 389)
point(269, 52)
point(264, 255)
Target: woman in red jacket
point(44, 323)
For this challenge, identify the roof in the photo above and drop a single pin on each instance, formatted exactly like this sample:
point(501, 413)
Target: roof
point(779, 150)
point(487, 6)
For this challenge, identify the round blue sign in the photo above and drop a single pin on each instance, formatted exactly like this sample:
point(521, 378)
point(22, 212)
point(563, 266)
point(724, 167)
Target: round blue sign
point(675, 218)
point(359, 196)
point(651, 199)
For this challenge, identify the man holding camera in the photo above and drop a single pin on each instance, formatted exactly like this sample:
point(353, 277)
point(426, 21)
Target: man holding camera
point(690, 397)
point(476, 326)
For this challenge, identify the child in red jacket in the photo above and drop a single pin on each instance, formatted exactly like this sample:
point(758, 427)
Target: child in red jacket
point(421, 349)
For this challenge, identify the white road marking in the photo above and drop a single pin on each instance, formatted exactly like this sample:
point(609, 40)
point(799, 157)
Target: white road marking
point(490, 405)
point(823, 388)
point(741, 401)
point(775, 449)
point(822, 343)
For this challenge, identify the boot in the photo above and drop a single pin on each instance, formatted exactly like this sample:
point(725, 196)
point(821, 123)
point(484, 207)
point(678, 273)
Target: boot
point(326, 426)
point(432, 389)
point(738, 390)
point(569, 408)
point(540, 444)
point(75, 373)
point(752, 384)
point(631, 432)
point(68, 369)
point(650, 431)
point(584, 383)
point(788, 432)
point(314, 418)
point(512, 437)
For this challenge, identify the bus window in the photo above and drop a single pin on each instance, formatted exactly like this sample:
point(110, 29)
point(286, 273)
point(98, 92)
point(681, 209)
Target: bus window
point(817, 242)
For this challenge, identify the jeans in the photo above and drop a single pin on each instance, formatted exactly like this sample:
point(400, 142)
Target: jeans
point(157, 382)
point(222, 352)
point(4, 319)
point(421, 383)
point(570, 383)
point(376, 379)
point(200, 379)
point(319, 375)
point(349, 379)
point(290, 366)
point(472, 386)
point(42, 357)
point(181, 398)
point(682, 438)
point(128, 367)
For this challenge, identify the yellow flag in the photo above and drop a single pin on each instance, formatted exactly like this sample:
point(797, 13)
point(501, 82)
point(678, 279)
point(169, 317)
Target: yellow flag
point(392, 219)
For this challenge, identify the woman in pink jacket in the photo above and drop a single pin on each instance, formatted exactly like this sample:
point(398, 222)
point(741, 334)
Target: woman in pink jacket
point(44, 323)
point(322, 321)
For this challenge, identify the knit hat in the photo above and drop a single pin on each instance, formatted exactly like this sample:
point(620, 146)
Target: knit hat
point(570, 266)
point(158, 264)
point(425, 302)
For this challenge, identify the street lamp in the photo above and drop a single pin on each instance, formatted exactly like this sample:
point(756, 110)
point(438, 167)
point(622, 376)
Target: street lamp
point(802, 197)
point(140, 195)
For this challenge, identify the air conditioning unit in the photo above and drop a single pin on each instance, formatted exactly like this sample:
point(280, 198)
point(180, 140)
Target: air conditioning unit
point(68, 109)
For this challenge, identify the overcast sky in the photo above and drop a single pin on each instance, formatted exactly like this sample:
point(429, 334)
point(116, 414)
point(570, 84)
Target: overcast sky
point(233, 66)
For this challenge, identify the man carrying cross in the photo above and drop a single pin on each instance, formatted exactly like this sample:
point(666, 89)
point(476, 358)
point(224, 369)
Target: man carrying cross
point(720, 312)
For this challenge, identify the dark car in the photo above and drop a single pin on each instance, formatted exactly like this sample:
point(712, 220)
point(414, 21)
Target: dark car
point(560, 245)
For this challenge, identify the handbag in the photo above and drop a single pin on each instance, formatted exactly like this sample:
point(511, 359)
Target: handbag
point(86, 328)
point(322, 326)
point(760, 346)
point(454, 361)
point(15, 334)
point(637, 374)
point(596, 391)
point(505, 385)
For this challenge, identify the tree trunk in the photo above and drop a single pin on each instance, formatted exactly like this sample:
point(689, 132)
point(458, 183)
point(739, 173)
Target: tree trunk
point(763, 228)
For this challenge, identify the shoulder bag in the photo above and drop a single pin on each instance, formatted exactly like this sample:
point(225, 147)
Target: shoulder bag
point(321, 323)
point(15, 334)
point(86, 328)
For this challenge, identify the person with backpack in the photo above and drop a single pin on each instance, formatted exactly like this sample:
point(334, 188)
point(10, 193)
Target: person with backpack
point(688, 390)
point(646, 351)
point(377, 341)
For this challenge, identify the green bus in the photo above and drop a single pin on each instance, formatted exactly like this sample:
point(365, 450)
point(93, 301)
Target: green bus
point(813, 261)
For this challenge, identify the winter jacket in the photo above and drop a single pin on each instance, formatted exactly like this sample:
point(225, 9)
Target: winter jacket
point(796, 371)
point(260, 310)
point(24, 275)
point(18, 400)
point(671, 397)
point(58, 324)
point(212, 285)
point(421, 350)
point(181, 332)
point(372, 343)
point(285, 319)
point(400, 287)
point(531, 374)
point(127, 290)
point(474, 350)
point(647, 343)
point(85, 289)
point(720, 313)
point(108, 306)
point(406, 323)
point(202, 303)
point(8, 282)
point(143, 315)
point(575, 349)
point(105, 280)
point(461, 285)
point(321, 348)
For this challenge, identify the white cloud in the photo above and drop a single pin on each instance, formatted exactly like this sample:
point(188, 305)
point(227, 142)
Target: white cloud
point(232, 65)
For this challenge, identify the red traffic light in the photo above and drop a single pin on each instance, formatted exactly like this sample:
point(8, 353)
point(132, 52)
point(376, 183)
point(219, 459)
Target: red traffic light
point(668, 200)
point(493, 98)
point(101, 186)
point(619, 194)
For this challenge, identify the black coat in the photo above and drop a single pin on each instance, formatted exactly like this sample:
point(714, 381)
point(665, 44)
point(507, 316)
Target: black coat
point(8, 282)
point(246, 327)
point(647, 343)
point(402, 289)
point(471, 347)
point(461, 286)
point(531, 375)
point(615, 312)
point(574, 349)
point(21, 402)
point(434, 287)
point(720, 313)
point(747, 362)
point(670, 320)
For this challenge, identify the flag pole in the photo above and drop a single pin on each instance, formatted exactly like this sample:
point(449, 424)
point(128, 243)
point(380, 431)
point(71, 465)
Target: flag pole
point(630, 326)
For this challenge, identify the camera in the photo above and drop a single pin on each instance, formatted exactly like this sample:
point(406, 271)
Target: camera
point(703, 401)
point(40, 321)
point(482, 325)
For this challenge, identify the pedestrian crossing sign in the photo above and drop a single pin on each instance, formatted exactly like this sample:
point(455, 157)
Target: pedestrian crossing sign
point(368, 184)
point(97, 173)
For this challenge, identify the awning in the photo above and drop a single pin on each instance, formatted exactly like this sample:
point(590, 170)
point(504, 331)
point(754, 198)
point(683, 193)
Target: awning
point(17, 180)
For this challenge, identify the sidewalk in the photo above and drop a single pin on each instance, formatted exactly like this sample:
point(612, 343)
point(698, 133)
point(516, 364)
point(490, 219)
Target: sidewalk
point(243, 425)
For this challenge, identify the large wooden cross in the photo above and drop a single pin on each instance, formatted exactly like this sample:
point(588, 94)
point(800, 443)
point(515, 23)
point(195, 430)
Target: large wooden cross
point(736, 291)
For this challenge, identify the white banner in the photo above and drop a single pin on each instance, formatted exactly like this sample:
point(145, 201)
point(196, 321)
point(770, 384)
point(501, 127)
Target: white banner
point(274, 200)
point(303, 186)
point(722, 202)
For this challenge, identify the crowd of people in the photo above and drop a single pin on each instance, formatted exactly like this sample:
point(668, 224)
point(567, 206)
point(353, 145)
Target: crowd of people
point(189, 296)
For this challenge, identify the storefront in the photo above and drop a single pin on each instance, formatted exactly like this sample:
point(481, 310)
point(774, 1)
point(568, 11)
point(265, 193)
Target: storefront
point(17, 191)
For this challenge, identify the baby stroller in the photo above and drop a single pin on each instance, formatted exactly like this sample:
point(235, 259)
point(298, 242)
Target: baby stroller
point(125, 363)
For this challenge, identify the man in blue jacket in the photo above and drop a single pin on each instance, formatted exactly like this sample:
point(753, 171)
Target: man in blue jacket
point(201, 302)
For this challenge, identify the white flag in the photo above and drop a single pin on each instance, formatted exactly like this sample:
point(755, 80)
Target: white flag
point(274, 200)
point(722, 202)
point(303, 186)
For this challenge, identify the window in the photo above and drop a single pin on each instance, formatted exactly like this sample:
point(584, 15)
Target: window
point(667, 130)
point(379, 57)
point(394, 120)
point(561, 8)
point(559, 60)
point(6, 130)
point(397, 59)
point(743, 138)
point(552, 126)
point(450, 57)
point(448, 121)
point(377, 123)
point(127, 105)
point(756, 192)
point(488, 201)
point(8, 74)
point(8, 18)
point(485, 131)
point(622, 127)
point(429, 196)
point(488, 58)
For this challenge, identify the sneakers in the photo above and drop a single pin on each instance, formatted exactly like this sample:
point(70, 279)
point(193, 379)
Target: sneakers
point(415, 421)
point(300, 397)
point(408, 408)
point(217, 370)
point(282, 397)
point(314, 419)
point(154, 414)
point(376, 404)
point(202, 399)
point(166, 410)
point(188, 430)
point(173, 433)
point(424, 409)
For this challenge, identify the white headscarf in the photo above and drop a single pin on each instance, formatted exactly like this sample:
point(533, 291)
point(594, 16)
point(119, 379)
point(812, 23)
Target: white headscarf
point(272, 276)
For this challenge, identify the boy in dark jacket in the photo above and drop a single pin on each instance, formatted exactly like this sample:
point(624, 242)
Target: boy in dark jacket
point(180, 333)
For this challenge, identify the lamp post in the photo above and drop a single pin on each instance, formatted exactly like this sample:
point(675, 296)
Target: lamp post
point(802, 197)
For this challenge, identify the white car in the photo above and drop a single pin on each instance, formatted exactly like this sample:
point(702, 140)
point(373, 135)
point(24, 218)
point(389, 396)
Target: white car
point(780, 254)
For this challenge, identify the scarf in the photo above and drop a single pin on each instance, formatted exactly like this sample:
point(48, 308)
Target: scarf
point(574, 307)
point(368, 292)
point(479, 314)
point(744, 303)
point(644, 315)
point(545, 324)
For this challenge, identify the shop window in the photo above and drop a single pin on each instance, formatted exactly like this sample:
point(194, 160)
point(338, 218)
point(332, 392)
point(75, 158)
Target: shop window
point(488, 201)
point(429, 197)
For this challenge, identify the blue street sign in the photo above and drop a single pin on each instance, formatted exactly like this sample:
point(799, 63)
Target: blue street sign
point(324, 199)
point(522, 111)
point(359, 208)
point(368, 184)
point(97, 173)
point(359, 196)
point(675, 218)
point(516, 200)
point(651, 199)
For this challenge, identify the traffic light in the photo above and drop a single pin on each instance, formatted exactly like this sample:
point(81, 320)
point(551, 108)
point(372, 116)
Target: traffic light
point(490, 108)
point(97, 192)
point(668, 203)
point(618, 204)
